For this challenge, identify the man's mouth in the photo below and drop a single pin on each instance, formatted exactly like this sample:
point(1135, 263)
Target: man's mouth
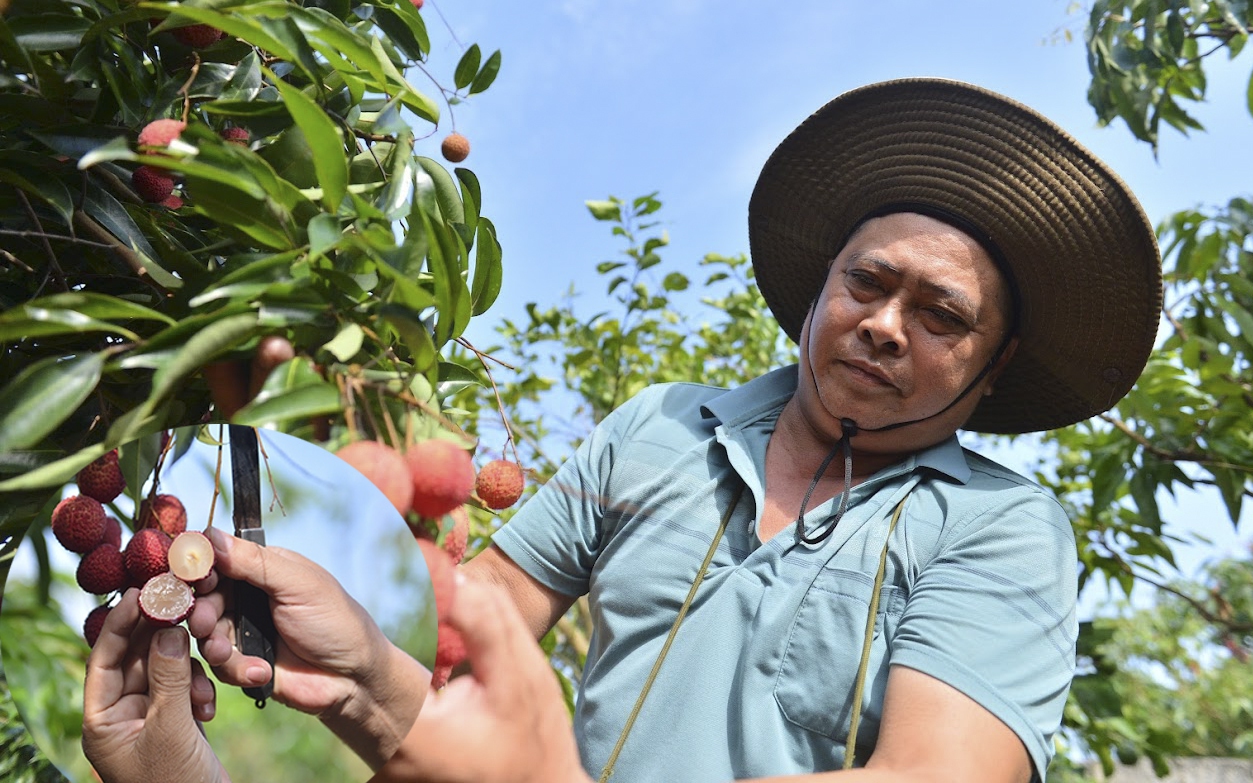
point(869, 370)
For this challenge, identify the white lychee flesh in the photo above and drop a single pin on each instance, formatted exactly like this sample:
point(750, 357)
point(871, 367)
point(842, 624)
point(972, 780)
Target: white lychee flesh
point(166, 600)
point(191, 556)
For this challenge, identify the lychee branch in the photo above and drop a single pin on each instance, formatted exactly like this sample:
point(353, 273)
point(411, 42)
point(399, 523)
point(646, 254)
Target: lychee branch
point(500, 404)
point(55, 265)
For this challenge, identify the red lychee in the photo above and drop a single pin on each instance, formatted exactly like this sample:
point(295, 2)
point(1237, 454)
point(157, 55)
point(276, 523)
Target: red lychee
point(450, 649)
point(159, 133)
point(455, 147)
point(384, 467)
point(499, 484)
point(440, 676)
point(112, 532)
point(93, 624)
point(197, 36)
point(456, 539)
point(147, 554)
point(417, 4)
point(152, 184)
point(164, 512)
point(78, 522)
point(102, 570)
point(442, 475)
point(102, 479)
point(237, 135)
point(172, 202)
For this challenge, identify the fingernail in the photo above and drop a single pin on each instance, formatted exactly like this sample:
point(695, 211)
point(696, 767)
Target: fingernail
point(209, 711)
point(171, 643)
point(258, 674)
point(458, 578)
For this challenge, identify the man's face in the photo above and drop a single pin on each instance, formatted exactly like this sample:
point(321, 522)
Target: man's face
point(912, 311)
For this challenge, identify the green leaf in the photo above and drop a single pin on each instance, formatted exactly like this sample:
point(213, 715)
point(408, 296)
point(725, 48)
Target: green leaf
point(31, 172)
point(446, 194)
point(467, 67)
point(346, 343)
point(488, 272)
point(487, 74)
point(137, 459)
point(324, 140)
point(406, 30)
point(206, 345)
point(302, 402)
point(49, 32)
point(44, 395)
point(605, 210)
point(418, 103)
point(415, 334)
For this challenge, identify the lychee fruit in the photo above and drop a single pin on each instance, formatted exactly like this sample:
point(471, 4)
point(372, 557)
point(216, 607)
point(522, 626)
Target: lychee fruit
point(455, 147)
point(386, 469)
point(172, 202)
point(159, 133)
point(458, 536)
point(197, 36)
point(147, 554)
point(112, 532)
point(93, 624)
point(78, 522)
point(236, 135)
point(166, 600)
point(152, 184)
point(417, 4)
point(102, 570)
point(102, 479)
point(165, 512)
point(440, 676)
point(442, 474)
point(450, 648)
point(499, 484)
point(190, 556)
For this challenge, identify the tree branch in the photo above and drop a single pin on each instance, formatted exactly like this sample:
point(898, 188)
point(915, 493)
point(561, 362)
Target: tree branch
point(1182, 455)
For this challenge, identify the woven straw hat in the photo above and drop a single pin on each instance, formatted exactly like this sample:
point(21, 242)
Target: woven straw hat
point(1080, 249)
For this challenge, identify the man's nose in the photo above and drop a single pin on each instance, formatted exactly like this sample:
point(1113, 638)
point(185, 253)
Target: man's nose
point(884, 328)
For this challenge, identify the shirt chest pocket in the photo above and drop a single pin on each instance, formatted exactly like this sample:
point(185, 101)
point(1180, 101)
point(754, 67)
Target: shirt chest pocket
point(818, 672)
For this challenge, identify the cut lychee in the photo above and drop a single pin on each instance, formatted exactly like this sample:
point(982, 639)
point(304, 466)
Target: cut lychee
point(93, 624)
point(190, 556)
point(147, 555)
point(442, 474)
point(159, 133)
point(164, 512)
point(102, 570)
point(499, 484)
point(102, 479)
point(455, 148)
point(166, 600)
point(384, 467)
point(78, 522)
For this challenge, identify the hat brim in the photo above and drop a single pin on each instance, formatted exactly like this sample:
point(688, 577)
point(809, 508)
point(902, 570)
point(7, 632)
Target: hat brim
point(1082, 252)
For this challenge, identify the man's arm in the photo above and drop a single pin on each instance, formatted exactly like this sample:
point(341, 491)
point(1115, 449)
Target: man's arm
point(934, 733)
point(541, 606)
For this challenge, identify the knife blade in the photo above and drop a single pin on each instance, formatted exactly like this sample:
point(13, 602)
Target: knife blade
point(254, 625)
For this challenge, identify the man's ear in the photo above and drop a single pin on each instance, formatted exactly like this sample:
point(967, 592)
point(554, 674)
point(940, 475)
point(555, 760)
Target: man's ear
point(1001, 363)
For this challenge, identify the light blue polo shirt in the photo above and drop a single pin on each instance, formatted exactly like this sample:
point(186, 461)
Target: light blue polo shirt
point(979, 591)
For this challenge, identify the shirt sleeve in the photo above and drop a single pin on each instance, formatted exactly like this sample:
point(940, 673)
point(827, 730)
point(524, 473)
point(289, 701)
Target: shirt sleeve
point(993, 615)
point(556, 537)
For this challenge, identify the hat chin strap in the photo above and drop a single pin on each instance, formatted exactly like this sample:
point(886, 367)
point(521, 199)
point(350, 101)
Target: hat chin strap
point(849, 429)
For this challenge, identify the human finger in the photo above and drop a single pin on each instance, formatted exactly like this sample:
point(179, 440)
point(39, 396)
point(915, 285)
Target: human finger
point(209, 609)
point(170, 680)
point(105, 677)
point(279, 572)
point(203, 693)
point(498, 644)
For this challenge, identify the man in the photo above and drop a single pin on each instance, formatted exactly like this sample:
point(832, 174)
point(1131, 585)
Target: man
point(809, 572)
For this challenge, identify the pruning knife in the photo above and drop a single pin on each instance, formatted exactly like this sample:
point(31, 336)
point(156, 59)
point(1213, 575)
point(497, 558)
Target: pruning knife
point(254, 626)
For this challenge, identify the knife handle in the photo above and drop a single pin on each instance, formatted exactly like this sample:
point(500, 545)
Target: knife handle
point(255, 633)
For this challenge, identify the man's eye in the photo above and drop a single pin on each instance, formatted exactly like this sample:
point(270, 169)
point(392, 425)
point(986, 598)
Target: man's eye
point(946, 318)
point(861, 279)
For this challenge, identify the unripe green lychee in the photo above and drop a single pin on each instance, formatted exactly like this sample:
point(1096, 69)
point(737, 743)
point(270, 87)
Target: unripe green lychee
point(78, 522)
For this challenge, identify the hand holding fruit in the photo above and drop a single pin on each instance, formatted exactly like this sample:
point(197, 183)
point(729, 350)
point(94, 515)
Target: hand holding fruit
point(332, 660)
point(141, 700)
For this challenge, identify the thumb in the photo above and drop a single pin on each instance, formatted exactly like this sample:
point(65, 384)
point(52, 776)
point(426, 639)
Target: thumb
point(279, 572)
point(169, 671)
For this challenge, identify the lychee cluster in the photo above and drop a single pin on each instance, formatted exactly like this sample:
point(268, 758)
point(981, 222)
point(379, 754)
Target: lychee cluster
point(450, 648)
point(159, 547)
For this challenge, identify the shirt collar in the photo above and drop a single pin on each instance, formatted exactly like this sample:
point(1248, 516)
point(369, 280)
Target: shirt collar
point(769, 392)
